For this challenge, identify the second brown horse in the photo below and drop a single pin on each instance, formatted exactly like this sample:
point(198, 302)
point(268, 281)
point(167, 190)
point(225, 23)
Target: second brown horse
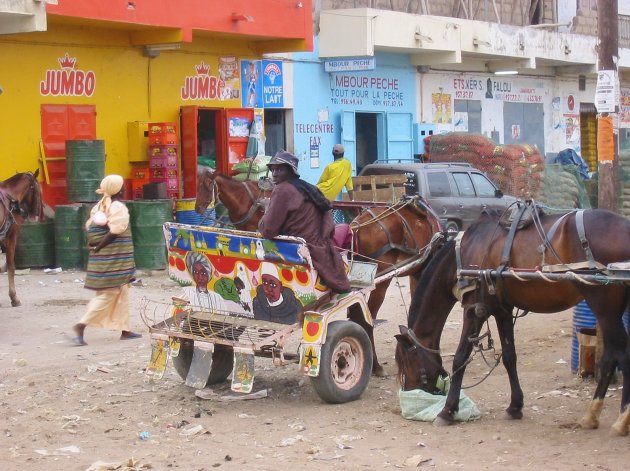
point(388, 236)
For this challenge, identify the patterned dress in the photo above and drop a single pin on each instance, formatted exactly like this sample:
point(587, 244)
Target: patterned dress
point(113, 266)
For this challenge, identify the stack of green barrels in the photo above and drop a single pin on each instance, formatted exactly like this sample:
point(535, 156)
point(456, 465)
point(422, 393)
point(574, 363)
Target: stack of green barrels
point(63, 242)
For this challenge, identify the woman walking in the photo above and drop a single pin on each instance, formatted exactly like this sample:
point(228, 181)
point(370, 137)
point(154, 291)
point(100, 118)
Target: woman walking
point(111, 264)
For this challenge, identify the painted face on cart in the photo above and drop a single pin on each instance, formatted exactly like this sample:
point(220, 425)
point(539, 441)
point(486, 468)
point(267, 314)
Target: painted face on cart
point(272, 287)
point(201, 276)
point(280, 173)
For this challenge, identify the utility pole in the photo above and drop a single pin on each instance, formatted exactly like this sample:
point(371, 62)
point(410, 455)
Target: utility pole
point(607, 104)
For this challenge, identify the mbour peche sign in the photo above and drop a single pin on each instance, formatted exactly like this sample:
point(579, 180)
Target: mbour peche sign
point(345, 65)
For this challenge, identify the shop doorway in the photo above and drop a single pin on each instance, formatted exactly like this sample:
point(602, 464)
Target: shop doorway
point(212, 138)
point(368, 137)
point(362, 135)
point(275, 131)
point(524, 123)
point(469, 112)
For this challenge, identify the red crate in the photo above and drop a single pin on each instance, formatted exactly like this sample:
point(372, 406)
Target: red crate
point(161, 134)
point(162, 128)
point(128, 184)
point(160, 173)
point(169, 161)
point(162, 151)
point(140, 173)
point(171, 183)
point(137, 188)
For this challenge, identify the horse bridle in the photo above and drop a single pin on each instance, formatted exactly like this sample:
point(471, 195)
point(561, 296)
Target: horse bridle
point(252, 210)
point(14, 205)
point(421, 350)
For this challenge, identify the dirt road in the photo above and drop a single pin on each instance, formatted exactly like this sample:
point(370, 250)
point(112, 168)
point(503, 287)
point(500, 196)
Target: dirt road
point(66, 407)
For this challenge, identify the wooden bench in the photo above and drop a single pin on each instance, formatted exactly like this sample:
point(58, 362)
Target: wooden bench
point(378, 188)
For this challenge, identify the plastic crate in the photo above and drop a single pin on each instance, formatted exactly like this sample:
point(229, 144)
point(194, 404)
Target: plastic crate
point(161, 134)
point(172, 184)
point(162, 151)
point(137, 188)
point(172, 194)
point(169, 161)
point(140, 173)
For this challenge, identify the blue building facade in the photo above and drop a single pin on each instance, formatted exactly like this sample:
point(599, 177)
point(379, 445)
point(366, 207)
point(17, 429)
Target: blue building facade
point(367, 104)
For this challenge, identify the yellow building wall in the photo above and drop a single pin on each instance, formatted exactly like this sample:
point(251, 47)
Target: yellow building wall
point(129, 87)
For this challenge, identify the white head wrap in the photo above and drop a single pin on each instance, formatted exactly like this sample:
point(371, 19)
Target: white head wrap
point(196, 257)
point(267, 268)
point(110, 186)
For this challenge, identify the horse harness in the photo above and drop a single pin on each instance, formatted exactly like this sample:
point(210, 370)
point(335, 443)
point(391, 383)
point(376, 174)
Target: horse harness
point(256, 202)
point(524, 215)
point(11, 206)
point(391, 245)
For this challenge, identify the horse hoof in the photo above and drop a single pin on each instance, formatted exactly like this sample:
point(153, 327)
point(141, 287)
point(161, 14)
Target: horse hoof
point(618, 431)
point(16, 303)
point(442, 422)
point(377, 370)
point(589, 424)
point(513, 414)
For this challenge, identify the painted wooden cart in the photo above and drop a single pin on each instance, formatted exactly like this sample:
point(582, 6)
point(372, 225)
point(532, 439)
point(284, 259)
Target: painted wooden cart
point(242, 297)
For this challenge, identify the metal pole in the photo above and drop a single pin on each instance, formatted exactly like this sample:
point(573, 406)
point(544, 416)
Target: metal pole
point(607, 124)
point(607, 130)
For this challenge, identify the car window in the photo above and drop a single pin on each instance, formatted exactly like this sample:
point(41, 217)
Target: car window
point(438, 184)
point(464, 184)
point(483, 186)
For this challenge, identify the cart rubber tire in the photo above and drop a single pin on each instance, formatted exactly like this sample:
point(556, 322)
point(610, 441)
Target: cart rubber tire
point(451, 226)
point(222, 361)
point(345, 363)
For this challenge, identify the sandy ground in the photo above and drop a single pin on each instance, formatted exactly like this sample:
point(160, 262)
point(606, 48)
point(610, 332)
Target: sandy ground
point(65, 407)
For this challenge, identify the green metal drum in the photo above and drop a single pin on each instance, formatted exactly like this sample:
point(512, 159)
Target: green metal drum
point(36, 245)
point(85, 162)
point(147, 218)
point(69, 236)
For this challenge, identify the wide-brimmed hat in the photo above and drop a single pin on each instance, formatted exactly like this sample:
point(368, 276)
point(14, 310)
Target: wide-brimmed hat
point(283, 157)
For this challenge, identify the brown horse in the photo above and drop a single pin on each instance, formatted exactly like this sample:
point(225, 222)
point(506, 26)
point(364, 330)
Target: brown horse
point(20, 198)
point(496, 276)
point(387, 235)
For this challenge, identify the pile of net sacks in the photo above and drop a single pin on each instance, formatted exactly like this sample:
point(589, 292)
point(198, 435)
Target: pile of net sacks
point(517, 169)
point(251, 168)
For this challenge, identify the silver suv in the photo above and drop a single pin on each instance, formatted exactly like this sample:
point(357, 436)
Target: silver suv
point(458, 192)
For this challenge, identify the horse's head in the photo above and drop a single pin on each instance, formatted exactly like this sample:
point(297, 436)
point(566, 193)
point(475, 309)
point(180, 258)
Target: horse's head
point(206, 191)
point(25, 191)
point(419, 367)
point(31, 201)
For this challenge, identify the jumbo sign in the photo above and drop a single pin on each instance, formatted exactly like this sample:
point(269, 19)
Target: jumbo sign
point(68, 81)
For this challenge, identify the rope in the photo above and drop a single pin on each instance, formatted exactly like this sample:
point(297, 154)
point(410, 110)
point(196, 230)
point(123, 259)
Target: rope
point(386, 213)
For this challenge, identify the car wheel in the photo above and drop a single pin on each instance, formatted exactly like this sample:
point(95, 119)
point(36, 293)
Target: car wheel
point(451, 226)
point(345, 363)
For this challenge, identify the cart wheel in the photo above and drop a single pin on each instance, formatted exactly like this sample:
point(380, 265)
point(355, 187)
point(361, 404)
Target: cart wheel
point(451, 226)
point(345, 363)
point(222, 360)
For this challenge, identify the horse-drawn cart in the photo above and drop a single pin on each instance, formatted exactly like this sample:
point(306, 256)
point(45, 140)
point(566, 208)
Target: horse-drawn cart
point(243, 297)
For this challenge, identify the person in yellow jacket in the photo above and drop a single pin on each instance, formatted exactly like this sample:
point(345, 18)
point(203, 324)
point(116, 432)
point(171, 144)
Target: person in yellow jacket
point(336, 175)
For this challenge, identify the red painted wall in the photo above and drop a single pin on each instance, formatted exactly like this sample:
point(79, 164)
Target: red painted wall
point(272, 19)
